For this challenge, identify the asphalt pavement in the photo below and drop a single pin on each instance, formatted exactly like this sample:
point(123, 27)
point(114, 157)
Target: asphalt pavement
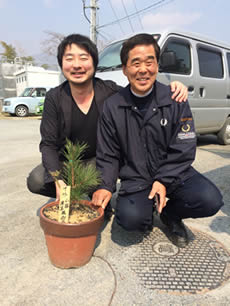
point(127, 268)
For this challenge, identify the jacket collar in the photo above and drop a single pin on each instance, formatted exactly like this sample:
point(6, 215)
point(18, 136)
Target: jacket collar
point(66, 106)
point(161, 95)
point(97, 93)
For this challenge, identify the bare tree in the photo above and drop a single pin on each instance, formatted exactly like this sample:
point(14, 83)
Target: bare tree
point(20, 50)
point(21, 53)
point(50, 44)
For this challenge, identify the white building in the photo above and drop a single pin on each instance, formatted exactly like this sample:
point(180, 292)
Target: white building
point(32, 76)
point(7, 80)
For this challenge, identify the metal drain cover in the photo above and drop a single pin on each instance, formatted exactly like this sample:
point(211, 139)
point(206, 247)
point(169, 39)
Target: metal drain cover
point(202, 266)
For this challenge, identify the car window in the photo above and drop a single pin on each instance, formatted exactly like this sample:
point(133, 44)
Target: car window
point(42, 92)
point(182, 53)
point(26, 92)
point(210, 62)
point(39, 92)
point(110, 56)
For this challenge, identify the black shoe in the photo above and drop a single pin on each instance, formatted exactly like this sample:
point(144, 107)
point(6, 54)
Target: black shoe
point(108, 212)
point(147, 229)
point(178, 232)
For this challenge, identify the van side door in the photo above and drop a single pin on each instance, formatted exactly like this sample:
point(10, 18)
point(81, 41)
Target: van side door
point(228, 64)
point(210, 98)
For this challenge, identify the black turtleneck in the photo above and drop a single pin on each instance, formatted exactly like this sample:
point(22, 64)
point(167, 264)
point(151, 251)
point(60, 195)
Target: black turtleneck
point(142, 103)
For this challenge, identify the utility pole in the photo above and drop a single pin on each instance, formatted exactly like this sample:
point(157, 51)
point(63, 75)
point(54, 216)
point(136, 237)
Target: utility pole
point(93, 20)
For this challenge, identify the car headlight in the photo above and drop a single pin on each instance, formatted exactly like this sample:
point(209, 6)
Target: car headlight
point(6, 103)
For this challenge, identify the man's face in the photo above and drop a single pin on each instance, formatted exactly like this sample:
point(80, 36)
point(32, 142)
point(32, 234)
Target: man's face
point(141, 68)
point(77, 65)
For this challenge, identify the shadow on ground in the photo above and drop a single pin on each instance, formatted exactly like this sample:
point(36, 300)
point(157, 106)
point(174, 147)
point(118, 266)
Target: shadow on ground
point(221, 178)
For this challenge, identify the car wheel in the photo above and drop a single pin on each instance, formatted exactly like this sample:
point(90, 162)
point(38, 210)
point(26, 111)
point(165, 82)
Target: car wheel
point(21, 111)
point(224, 134)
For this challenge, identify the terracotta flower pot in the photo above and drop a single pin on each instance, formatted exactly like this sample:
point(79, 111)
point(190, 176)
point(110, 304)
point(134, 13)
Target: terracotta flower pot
point(70, 245)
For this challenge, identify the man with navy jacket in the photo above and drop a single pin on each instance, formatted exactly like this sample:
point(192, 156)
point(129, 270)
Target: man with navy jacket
point(149, 142)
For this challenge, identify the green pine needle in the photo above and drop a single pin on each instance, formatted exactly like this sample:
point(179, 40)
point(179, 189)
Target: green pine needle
point(80, 176)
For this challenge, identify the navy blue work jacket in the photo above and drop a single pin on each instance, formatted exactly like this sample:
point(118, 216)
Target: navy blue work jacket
point(161, 146)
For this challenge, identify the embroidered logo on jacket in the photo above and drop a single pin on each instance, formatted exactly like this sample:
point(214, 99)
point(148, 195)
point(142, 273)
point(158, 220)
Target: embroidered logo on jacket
point(164, 122)
point(189, 135)
point(186, 130)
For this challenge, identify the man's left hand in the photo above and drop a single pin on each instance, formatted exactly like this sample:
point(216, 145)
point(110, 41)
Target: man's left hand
point(180, 91)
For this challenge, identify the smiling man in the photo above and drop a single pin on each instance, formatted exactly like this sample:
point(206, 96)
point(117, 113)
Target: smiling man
point(149, 142)
point(141, 68)
point(71, 110)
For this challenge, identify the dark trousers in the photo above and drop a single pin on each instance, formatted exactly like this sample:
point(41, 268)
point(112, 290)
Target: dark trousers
point(36, 183)
point(197, 197)
point(36, 180)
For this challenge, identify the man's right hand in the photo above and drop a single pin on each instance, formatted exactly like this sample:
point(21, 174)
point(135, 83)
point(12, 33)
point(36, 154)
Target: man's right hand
point(58, 185)
point(101, 197)
point(158, 188)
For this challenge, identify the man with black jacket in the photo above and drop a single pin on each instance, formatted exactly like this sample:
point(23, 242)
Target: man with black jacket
point(149, 142)
point(71, 110)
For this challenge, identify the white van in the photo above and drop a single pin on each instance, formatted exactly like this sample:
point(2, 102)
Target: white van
point(202, 64)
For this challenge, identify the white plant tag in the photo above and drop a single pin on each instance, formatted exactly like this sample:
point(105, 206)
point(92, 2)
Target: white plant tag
point(64, 204)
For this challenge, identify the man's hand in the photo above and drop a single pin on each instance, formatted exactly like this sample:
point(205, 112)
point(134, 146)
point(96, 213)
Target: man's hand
point(58, 185)
point(159, 189)
point(180, 91)
point(101, 197)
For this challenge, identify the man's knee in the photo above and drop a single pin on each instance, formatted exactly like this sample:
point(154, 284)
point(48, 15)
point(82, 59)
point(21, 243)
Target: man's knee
point(212, 201)
point(129, 215)
point(129, 222)
point(204, 198)
point(35, 180)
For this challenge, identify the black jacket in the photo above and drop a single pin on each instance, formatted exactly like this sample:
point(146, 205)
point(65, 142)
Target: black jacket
point(56, 120)
point(159, 147)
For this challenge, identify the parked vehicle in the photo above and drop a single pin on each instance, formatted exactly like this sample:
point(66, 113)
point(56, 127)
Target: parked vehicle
point(202, 64)
point(25, 104)
point(39, 108)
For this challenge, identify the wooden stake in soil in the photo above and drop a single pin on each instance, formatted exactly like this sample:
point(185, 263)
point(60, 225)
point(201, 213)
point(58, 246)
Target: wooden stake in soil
point(64, 204)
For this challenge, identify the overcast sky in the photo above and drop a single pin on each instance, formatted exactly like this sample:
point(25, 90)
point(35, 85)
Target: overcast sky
point(23, 22)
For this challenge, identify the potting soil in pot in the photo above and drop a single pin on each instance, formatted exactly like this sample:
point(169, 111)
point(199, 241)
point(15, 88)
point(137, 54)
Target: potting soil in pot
point(78, 213)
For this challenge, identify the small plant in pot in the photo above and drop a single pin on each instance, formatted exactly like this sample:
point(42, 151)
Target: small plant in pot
point(71, 225)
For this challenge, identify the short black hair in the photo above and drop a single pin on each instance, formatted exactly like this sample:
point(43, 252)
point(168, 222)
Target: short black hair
point(81, 41)
point(139, 39)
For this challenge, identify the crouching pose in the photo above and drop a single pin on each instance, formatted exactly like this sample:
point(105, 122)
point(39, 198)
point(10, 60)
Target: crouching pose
point(149, 142)
point(71, 111)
